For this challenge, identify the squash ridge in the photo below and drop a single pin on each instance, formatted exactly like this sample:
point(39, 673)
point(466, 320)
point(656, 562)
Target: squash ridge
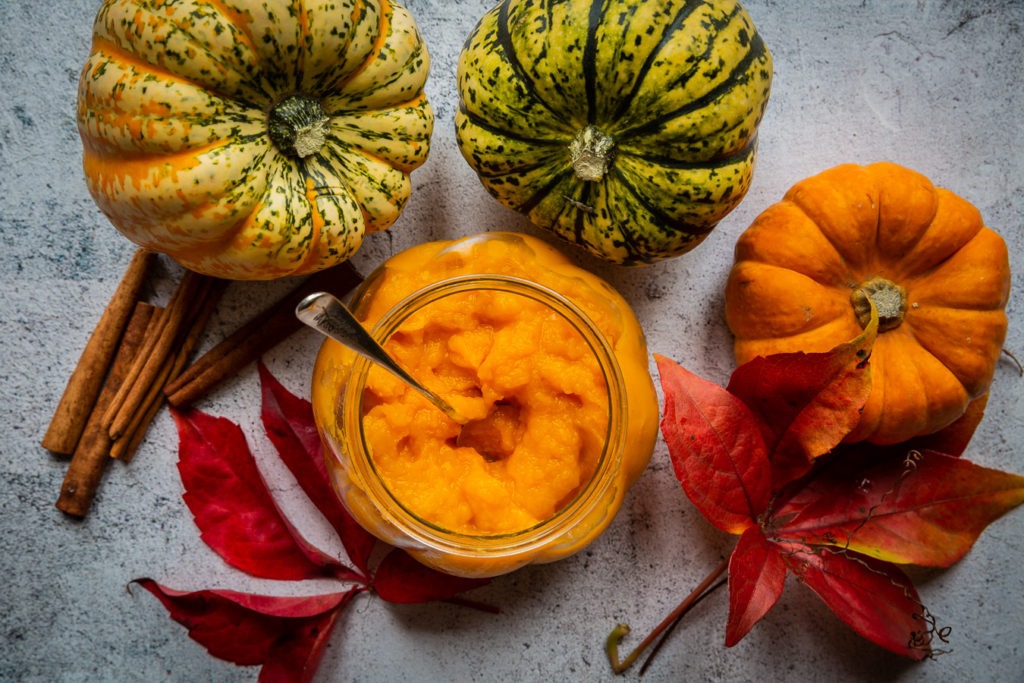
point(477, 120)
point(203, 47)
point(835, 245)
point(667, 34)
point(739, 74)
point(538, 196)
point(590, 59)
point(928, 345)
point(660, 216)
point(718, 161)
point(504, 40)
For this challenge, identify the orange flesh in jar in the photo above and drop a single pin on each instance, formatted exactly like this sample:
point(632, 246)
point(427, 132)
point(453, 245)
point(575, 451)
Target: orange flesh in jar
point(536, 398)
point(501, 253)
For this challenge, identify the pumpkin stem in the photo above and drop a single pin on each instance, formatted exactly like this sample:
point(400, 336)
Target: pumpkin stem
point(591, 151)
point(889, 298)
point(298, 126)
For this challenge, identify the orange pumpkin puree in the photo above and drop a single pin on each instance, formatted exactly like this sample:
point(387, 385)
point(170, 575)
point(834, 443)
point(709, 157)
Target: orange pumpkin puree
point(487, 353)
point(523, 370)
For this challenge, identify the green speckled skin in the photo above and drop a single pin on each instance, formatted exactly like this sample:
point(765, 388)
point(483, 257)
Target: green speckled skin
point(173, 109)
point(679, 85)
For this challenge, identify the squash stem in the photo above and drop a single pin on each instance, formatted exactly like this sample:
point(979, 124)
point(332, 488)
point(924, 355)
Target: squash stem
point(706, 587)
point(889, 298)
point(298, 126)
point(591, 152)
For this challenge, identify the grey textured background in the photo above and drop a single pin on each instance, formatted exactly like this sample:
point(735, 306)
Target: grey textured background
point(932, 85)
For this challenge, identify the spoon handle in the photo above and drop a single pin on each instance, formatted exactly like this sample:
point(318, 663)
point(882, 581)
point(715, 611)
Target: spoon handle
point(324, 313)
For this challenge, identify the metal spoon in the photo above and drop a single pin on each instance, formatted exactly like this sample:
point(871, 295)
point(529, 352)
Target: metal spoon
point(324, 313)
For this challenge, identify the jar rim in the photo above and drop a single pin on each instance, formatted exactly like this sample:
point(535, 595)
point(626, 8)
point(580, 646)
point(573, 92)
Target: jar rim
point(583, 502)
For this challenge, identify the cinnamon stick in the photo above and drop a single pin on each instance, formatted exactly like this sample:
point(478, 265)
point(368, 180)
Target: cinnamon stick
point(153, 355)
point(83, 388)
point(91, 453)
point(259, 335)
point(125, 447)
point(142, 414)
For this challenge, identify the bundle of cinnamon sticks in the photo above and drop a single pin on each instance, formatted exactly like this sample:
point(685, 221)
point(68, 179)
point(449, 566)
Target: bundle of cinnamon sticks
point(137, 359)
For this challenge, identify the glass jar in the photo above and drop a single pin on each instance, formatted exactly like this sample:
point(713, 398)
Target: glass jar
point(545, 355)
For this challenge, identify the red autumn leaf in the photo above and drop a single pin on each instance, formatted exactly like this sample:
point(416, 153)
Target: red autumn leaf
point(716, 448)
point(286, 635)
point(239, 519)
point(806, 402)
point(927, 509)
point(874, 598)
point(765, 458)
point(757, 575)
point(401, 579)
point(297, 655)
point(236, 515)
point(289, 424)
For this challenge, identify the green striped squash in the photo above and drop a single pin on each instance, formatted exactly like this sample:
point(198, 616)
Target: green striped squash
point(253, 139)
point(626, 126)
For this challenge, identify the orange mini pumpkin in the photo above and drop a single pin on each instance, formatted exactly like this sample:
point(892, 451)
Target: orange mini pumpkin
point(940, 278)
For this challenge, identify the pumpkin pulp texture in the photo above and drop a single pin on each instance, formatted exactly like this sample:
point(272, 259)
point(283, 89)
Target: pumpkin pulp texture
point(625, 126)
point(253, 140)
point(547, 468)
point(517, 365)
point(806, 268)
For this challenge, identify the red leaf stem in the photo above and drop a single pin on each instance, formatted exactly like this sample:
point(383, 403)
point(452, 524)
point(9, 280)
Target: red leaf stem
point(622, 630)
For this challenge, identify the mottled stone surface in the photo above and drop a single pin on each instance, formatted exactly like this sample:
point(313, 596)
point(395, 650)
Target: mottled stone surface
point(932, 85)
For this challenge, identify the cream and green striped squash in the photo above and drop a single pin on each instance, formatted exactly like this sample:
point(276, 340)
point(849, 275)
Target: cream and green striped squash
point(626, 126)
point(253, 139)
